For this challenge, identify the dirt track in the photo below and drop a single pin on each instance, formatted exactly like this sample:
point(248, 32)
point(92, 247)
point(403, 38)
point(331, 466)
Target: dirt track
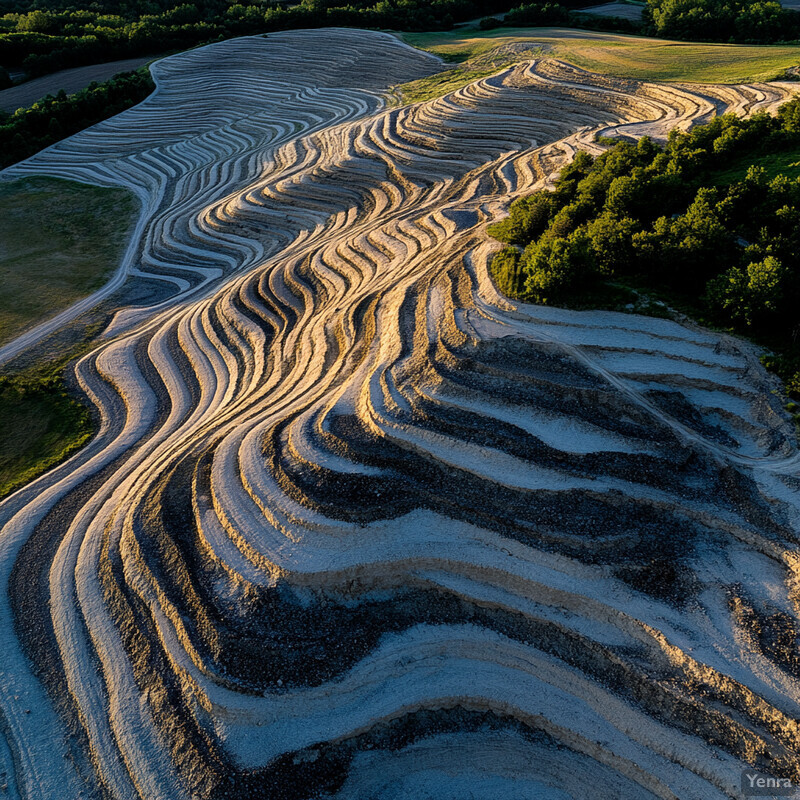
point(70, 80)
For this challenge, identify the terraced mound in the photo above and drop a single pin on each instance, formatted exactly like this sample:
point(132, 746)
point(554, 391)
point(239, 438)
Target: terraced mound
point(354, 525)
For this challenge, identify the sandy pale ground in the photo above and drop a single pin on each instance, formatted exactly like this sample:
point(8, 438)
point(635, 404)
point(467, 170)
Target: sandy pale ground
point(355, 525)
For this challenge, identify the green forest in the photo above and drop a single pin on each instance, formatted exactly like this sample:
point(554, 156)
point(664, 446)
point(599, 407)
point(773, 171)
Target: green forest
point(759, 21)
point(735, 21)
point(661, 220)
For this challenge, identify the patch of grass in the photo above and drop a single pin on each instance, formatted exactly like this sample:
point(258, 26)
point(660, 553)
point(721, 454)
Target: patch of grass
point(59, 242)
point(438, 85)
point(449, 80)
point(41, 422)
point(609, 296)
point(622, 55)
point(780, 163)
point(619, 295)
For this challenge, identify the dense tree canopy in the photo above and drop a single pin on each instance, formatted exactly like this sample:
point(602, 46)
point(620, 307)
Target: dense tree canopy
point(649, 214)
point(721, 20)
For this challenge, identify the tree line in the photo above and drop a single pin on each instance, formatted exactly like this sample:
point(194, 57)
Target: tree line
point(746, 21)
point(742, 21)
point(651, 216)
point(28, 130)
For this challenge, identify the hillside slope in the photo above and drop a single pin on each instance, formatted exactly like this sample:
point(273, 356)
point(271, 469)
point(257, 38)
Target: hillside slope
point(355, 525)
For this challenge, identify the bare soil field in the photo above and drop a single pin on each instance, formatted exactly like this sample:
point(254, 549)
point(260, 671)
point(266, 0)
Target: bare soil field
point(70, 80)
point(355, 525)
point(625, 10)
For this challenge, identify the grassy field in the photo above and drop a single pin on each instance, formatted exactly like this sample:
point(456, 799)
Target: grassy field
point(59, 241)
point(621, 55)
point(440, 84)
point(41, 425)
point(781, 163)
point(480, 65)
